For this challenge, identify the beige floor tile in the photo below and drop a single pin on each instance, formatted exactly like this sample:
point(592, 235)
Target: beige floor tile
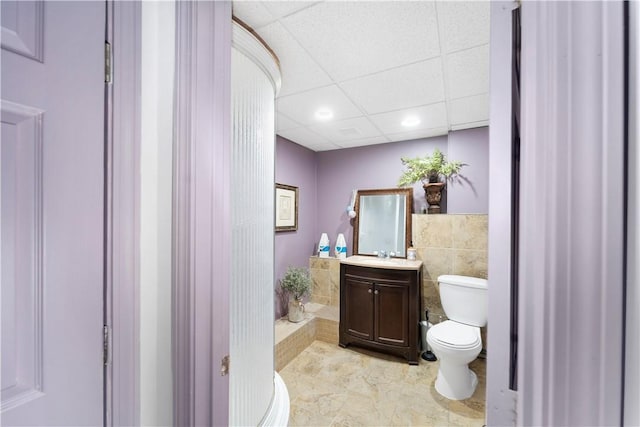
point(420, 416)
point(332, 386)
point(365, 410)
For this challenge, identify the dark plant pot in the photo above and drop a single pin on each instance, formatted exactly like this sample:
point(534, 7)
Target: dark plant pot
point(433, 191)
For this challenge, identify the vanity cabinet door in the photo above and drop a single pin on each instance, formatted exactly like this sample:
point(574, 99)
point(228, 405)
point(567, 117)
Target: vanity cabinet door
point(391, 314)
point(358, 301)
point(380, 309)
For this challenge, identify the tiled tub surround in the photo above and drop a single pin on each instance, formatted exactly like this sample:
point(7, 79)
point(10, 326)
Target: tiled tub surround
point(325, 281)
point(320, 323)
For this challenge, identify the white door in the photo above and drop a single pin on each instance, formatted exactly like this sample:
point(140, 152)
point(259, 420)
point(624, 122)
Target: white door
point(51, 223)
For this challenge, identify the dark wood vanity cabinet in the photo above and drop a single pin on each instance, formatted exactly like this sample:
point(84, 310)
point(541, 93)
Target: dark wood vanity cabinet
point(380, 309)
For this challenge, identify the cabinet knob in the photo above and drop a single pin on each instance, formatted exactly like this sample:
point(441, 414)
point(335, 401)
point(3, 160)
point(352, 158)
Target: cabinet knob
point(376, 292)
point(369, 290)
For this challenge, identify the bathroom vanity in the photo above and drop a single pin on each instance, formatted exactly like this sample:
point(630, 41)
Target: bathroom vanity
point(380, 305)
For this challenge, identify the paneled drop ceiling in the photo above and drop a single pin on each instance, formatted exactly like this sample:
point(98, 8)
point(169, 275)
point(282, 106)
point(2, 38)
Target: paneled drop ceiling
point(384, 71)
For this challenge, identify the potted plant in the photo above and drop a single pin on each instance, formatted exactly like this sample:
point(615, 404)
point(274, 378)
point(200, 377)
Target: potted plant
point(433, 171)
point(297, 283)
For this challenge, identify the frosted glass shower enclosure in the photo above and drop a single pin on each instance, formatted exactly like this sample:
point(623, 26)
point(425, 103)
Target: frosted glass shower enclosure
point(255, 82)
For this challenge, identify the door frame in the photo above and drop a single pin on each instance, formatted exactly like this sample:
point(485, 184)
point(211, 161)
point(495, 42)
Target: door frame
point(122, 228)
point(501, 400)
point(201, 266)
point(571, 270)
point(201, 213)
point(632, 326)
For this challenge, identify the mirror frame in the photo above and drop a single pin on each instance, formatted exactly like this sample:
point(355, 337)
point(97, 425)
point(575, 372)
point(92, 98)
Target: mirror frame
point(407, 192)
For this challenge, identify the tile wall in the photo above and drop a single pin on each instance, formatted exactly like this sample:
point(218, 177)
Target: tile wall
point(325, 281)
point(320, 323)
point(446, 244)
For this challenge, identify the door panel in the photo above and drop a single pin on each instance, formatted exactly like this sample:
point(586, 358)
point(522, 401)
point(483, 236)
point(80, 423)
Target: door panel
point(392, 314)
point(51, 228)
point(23, 28)
point(21, 251)
point(359, 308)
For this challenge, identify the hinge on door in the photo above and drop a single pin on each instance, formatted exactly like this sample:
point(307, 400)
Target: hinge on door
point(107, 62)
point(224, 366)
point(106, 338)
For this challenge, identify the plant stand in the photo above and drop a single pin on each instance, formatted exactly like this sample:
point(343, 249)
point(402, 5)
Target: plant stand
point(296, 311)
point(433, 191)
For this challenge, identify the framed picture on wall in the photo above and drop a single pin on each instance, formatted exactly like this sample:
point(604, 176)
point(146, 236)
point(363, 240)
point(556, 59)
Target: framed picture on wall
point(286, 207)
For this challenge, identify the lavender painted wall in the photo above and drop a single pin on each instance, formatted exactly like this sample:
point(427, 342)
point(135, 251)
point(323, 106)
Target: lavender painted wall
point(326, 179)
point(379, 166)
point(373, 166)
point(296, 165)
point(469, 193)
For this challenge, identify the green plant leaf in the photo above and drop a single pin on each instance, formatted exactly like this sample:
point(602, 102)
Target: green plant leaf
point(428, 169)
point(296, 282)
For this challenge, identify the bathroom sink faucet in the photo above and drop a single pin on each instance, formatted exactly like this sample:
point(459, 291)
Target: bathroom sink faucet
point(386, 254)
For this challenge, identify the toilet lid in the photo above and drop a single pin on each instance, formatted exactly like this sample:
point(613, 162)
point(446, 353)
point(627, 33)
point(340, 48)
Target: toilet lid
point(455, 334)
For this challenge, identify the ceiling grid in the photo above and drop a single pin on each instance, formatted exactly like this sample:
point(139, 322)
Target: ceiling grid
point(358, 73)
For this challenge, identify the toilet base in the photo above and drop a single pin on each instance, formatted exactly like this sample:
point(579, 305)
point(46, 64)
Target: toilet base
point(456, 382)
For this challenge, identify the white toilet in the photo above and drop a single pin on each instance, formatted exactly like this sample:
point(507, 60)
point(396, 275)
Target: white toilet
point(457, 342)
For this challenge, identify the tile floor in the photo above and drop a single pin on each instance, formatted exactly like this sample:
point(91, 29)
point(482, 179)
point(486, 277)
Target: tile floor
point(332, 386)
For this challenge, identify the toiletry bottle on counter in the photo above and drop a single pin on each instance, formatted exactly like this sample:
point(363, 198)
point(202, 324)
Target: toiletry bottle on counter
point(341, 246)
point(323, 246)
point(411, 254)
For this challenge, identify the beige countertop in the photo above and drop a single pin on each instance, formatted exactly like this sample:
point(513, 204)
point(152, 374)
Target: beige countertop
point(375, 262)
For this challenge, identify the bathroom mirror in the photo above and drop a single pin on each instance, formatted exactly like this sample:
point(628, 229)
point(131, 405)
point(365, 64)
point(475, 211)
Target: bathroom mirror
point(383, 221)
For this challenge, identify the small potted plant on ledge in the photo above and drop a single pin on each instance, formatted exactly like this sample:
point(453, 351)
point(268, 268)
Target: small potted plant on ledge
point(297, 283)
point(431, 171)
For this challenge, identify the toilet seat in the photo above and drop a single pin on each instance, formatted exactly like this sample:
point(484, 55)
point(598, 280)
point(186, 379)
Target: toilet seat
point(456, 335)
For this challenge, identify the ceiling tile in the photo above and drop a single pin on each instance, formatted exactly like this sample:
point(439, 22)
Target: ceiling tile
point(463, 24)
point(252, 13)
point(351, 39)
point(294, 61)
point(431, 116)
point(481, 124)
point(283, 122)
point(364, 141)
point(469, 110)
point(305, 137)
point(344, 130)
point(325, 147)
point(418, 134)
point(468, 72)
point(373, 64)
point(283, 8)
point(302, 107)
point(408, 86)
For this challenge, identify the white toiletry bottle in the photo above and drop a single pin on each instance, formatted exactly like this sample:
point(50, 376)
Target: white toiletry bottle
point(323, 246)
point(341, 246)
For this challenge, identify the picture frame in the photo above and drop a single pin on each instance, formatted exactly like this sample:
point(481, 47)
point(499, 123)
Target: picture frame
point(286, 208)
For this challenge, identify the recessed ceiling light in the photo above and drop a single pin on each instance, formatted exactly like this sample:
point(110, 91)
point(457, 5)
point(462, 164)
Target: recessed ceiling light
point(410, 121)
point(324, 114)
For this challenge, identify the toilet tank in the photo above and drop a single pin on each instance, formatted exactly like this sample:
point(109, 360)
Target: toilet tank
point(464, 299)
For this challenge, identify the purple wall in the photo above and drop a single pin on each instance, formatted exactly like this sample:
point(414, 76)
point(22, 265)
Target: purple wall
point(469, 193)
point(373, 166)
point(326, 179)
point(379, 166)
point(296, 165)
